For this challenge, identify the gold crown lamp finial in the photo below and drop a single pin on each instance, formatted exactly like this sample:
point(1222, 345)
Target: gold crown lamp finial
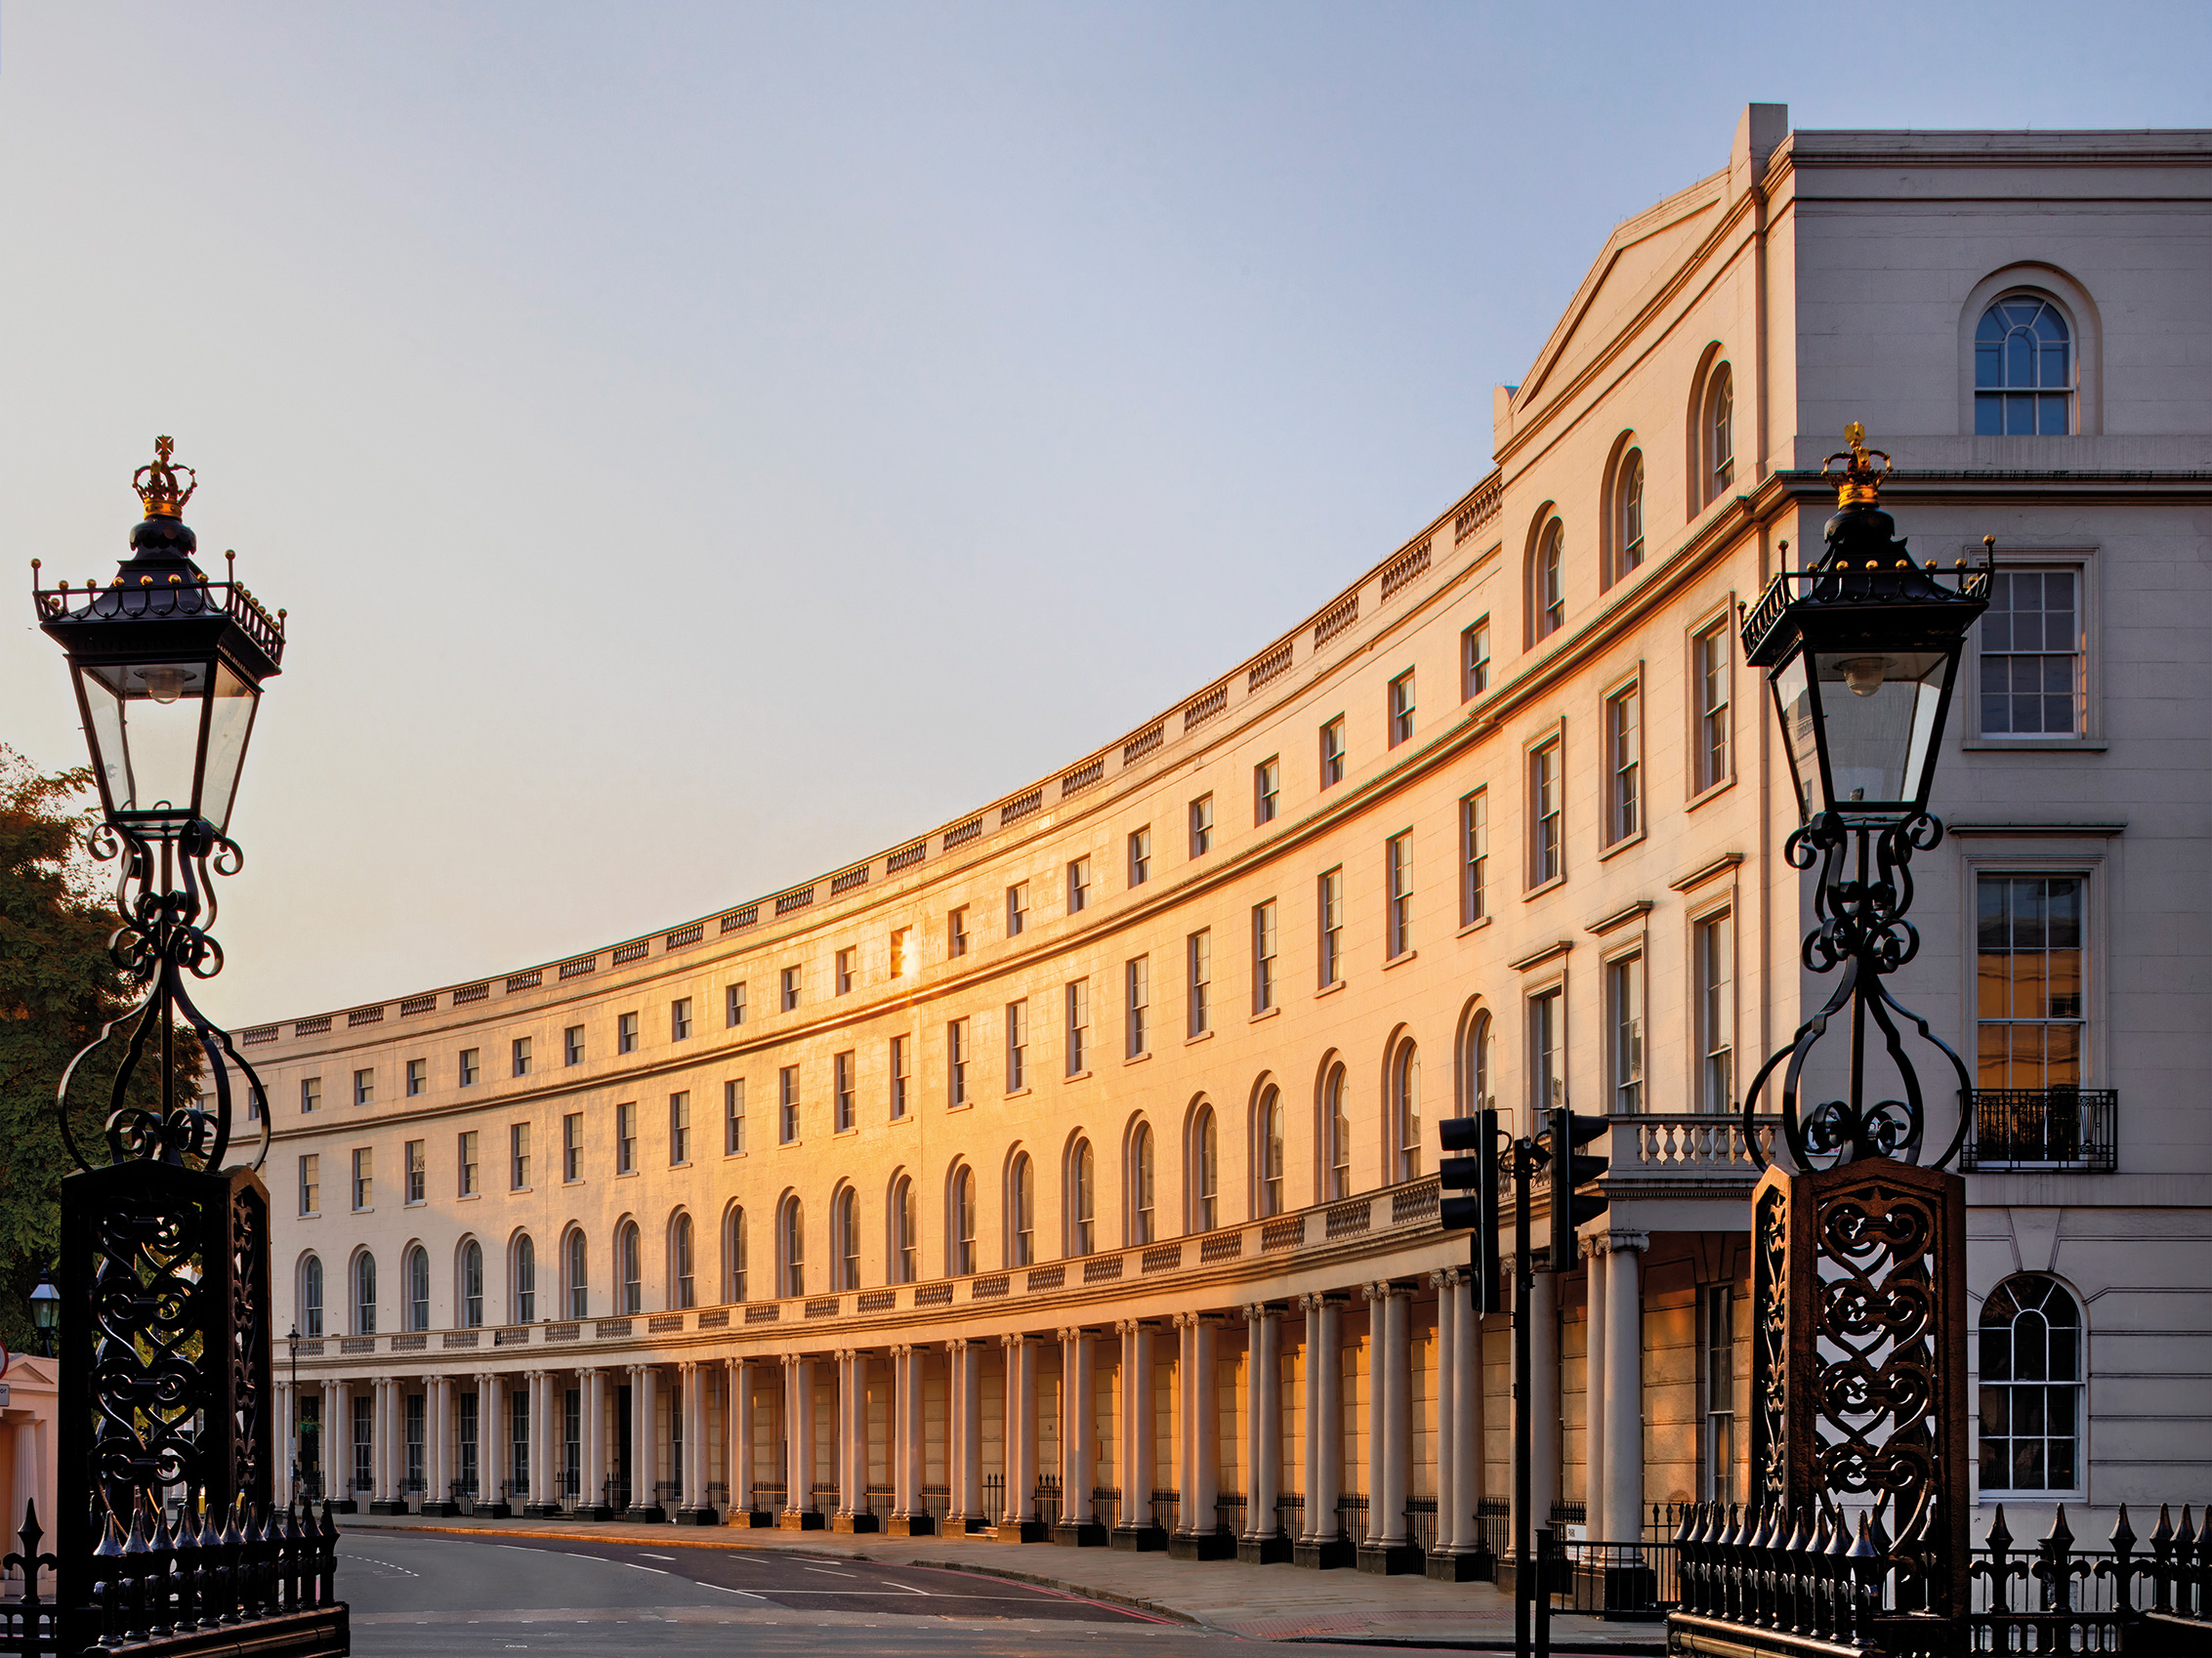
point(159, 484)
point(1860, 481)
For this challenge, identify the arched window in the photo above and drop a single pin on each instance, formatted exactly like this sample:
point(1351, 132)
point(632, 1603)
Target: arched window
point(2031, 1381)
point(2022, 370)
point(680, 1262)
point(525, 1280)
point(734, 1254)
point(1083, 1233)
point(961, 1224)
point(1718, 428)
point(365, 1294)
point(1143, 1208)
point(1021, 1212)
point(1205, 1168)
point(1266, 1137)
point(791, 1248)
point(1476, 1082)
point(1628, 516)
point(414, 1268)
point(905, 1236)
point(628, 1276)
point(1547, 582)
point(310, 1296)
point(1336, 1127)
point(844, 1221)
point(578, 1272)
point(1406, 1110)
point(471, 1284)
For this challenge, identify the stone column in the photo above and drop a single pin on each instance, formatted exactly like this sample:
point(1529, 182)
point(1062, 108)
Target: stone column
point(799, 1512)
point(1624, 1386)
point(1458, 1556)
point(337, 1447)
point(1322, 1546)
point(1019, 1523)
point(545, 1494)
point(1390, 1341)
point(1544, 1406)
point(491, 1437)
point(1263, 1540)
point(1593, 1382)
point(853, 1443)
point(693, 1507)
point(1378, 1439)
point(969, 1361)
point(384, 1470)
point(1079, 1525)
point(739, 1443)
point(591, 1448)
point(438, 1435)
point(909, 1445)
point(1135, 1446)
point(644, 1444)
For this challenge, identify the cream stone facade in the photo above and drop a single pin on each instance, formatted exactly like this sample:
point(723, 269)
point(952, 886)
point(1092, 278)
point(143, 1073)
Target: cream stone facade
point(1068, 1169)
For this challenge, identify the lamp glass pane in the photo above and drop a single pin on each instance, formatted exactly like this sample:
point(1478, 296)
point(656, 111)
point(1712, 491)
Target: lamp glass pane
point(1879, 711)
point(146, 723)
point(229, 723)
point(1793, 701)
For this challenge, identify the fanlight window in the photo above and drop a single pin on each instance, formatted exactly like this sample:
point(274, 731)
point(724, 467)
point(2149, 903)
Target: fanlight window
point(1336, 1119)
point(1022, 1244)
point(1406, 1100)
point(365, 1294)
point(1205, 1150)
point(1549, 580)
point(1085, 1229)
point(792, 1246)
point(579, 1276)
point(735, 1255)
point(2031, 1384)
point(964, 1222)
point(2022, 370)
point(904, 1238)
point(1628, 515)
point(848, 1226)
point(1144, 1221)
point(418, 1289)
point(1720, 433)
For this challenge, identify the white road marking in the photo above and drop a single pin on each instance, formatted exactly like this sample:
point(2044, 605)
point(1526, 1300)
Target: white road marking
point(651, 1555)
point(827, 1572)
point(746, 1593)
point(633, 1566)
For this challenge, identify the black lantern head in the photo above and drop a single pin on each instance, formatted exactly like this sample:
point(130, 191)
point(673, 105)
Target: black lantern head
point(45, 1306)
point(1861, 651)
point(168, 668)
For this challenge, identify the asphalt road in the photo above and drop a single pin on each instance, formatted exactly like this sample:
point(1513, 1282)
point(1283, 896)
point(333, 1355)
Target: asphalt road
point(450, 1597)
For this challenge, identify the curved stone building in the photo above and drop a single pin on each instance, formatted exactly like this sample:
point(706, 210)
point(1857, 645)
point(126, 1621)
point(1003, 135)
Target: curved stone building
point(1068, 1169)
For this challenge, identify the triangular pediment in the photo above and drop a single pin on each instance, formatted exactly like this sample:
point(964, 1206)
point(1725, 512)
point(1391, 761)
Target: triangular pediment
point(1641, 259)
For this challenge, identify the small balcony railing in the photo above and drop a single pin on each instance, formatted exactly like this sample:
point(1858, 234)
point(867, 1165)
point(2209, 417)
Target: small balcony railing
point(2035, 1129)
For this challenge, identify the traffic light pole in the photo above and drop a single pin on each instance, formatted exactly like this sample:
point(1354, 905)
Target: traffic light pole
point(1524, 1386)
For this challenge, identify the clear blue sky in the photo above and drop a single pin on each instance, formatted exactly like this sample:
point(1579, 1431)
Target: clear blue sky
point(699, 445)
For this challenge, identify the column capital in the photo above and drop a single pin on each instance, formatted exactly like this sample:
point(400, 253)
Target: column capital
point(1448, 1277)
point(1017, 1339)
point(1385, 1289)
point(958, 1343)
point(1315, 1301)
point(902, 1349)
point(1617, 1238)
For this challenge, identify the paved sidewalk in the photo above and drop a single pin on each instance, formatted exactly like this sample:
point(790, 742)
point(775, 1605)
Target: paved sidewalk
point(1278, 1602)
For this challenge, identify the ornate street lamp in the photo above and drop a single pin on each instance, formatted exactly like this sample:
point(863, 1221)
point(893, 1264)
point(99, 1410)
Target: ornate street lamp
point(162, 1310)
point(45, 1313)
point(1858, 1418)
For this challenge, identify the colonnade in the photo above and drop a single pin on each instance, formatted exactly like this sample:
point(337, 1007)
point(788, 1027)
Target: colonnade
point(1129, 1402)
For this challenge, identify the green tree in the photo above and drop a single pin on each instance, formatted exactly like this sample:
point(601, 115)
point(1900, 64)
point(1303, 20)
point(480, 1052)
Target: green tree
point(57, 987)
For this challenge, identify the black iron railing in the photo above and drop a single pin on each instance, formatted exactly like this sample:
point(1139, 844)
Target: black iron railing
point(1106, 1504)
point(994, 1497)
point(1167, 1509)
point(937, 1500)
point(1229, 1512)
point(1494, 1524)
point(1047, 1497)
point(769, 1495)
point(1421, 1522)
point(2043, 1128)
point(1290, 1512)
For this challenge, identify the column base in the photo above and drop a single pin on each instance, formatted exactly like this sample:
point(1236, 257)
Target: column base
point(852, 1522)
point(1200, 1546)
point(698, 1516)
point(1619, 1591)
point(1469, 1567)
point(1079, 1534)
point(1263, 1550)
point(541, 1511)
point(1388, 1560)
point(439, 1510)
point(346, 1505)
point(595, 1511)
point(1322, 1555)
point(750, 1520)
point(1138, 1539)
point(910, 1525)
point(644, 1514)
point(799, 1519)
point(1019, 1531)
point(388, 1506)
point(1509, 1574)
point(973, 1525)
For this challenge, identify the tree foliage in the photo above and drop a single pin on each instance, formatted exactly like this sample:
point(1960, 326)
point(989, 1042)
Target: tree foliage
point(57, 987)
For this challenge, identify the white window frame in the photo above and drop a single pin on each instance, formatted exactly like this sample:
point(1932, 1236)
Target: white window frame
point(2082, 563)
point(1718, 907)
point(1716, 625)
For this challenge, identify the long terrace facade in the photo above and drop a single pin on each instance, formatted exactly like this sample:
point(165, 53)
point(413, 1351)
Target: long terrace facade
point(1067, 1171)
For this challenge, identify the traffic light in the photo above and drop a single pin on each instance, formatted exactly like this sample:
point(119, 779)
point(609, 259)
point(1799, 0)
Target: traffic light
point(1477, 1213)
point(1568, 1169)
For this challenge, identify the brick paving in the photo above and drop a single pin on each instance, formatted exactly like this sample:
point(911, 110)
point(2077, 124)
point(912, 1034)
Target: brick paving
point(1277, 1602)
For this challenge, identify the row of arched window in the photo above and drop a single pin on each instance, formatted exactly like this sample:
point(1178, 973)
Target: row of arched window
point(1081, 1224)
